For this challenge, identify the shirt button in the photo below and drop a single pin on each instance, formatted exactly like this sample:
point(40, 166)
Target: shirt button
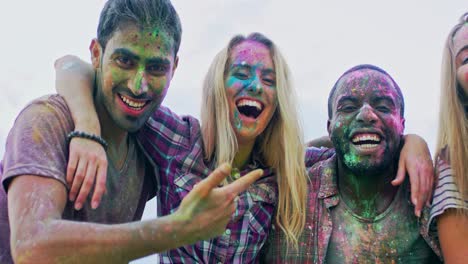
point(227, 232)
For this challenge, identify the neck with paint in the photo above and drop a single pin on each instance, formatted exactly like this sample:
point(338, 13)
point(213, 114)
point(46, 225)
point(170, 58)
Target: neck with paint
point(368, 194)
point(243, 155)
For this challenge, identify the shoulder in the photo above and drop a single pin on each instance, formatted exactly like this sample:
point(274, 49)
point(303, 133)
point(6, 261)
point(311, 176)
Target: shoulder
point(314, 155)
point(446, 194)
point(36, 144)
point(45, 107)
point(183, 131)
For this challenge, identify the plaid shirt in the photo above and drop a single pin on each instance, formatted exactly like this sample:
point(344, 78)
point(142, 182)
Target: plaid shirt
point(175, 145)
point(313, 242)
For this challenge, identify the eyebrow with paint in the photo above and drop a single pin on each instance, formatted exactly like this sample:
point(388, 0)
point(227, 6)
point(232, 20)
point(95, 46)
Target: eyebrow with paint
point(249, 67)
point(384, 99)
point(126, 53)
point(347, 98)
point(133, 56)
point(158, 61)
point(461, 50)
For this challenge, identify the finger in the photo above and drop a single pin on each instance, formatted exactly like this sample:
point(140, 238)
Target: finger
point(214, 179)
point(100, 186)
point(415, 188)
point(423, 185)
point(87, 183)
point(429, 172)
point(431, 183)
point(71, 167)
point(77, 180)
point(400, 173)
point(243, 182)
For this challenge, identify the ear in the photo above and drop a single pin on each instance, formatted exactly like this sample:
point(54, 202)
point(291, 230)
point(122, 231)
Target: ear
point(176, 62)
point(328, 127)
point(96, 53)
point(402, 122)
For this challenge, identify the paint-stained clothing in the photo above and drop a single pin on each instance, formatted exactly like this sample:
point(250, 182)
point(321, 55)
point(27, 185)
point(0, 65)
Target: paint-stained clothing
point(316, 239)
point(37, 145)
point(446, 194)
point(176, 145)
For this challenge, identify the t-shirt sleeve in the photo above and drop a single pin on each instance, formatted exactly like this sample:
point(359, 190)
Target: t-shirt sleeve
point(36, 145)
point(446, 194)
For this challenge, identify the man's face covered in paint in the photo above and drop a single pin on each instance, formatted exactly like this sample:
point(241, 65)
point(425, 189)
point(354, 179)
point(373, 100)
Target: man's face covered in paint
point(135, 69)
point(366, 124)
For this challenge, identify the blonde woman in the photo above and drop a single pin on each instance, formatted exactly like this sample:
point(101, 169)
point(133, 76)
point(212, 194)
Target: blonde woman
point(450, 204)
point(249, 119)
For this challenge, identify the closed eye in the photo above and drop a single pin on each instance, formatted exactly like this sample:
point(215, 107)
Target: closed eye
point(383, 109)
point(241, 75)
point(465, 61)
point(269, 81)
point(347, 108)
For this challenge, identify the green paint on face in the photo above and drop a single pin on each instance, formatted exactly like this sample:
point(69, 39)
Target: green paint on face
point(139, 78)
point(237, 120)
point(352, 160)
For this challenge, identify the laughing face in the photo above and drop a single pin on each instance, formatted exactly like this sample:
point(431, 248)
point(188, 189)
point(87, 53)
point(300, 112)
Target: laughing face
point(135, 70)
point(460, 42)
point(366, 125)
point(250, 84)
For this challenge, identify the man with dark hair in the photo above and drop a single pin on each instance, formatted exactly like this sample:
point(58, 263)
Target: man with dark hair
point(135, 57)
point(355, 214)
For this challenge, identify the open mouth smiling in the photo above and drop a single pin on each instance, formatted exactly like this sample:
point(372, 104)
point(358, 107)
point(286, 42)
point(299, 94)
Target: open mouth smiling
point(133, 103)
point(249, 108)
point(366, 140)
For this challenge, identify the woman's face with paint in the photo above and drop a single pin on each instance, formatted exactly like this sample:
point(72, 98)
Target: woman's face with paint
point(250, 85)
point(460, 43)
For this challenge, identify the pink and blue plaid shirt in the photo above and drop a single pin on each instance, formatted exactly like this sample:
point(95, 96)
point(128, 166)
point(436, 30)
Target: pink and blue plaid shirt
point(175, 145)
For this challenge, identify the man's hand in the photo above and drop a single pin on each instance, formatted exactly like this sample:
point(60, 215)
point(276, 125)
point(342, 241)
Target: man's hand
point(206, 210)
point(87, 166)
point(415, 159)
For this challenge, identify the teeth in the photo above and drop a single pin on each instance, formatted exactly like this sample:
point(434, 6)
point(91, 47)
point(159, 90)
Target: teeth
point(368, 146)
point(252, 103)
point(132, 103)
point(366, 137)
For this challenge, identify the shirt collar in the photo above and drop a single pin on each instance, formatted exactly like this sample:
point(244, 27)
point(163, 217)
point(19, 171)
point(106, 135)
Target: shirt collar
point(328, 178)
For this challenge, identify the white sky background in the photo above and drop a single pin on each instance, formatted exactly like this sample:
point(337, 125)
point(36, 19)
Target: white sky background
point(320, 40)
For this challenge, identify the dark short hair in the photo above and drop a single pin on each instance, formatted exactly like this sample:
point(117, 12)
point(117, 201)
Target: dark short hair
point(142, 13)
point(361, 67)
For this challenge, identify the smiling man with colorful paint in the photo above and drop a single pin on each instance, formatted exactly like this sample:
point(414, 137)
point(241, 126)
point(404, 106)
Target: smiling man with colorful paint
point(355, 214)
point(134, 56)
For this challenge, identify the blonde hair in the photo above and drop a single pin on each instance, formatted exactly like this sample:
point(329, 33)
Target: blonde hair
point(453, 123)
point(280, 144)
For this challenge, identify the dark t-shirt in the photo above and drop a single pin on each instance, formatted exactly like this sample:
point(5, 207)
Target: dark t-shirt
point(36, 145)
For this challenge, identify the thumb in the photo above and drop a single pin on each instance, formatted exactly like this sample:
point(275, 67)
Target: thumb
point(400, 177)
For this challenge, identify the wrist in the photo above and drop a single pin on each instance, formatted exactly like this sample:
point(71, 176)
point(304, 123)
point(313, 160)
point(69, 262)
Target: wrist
point(88, 124)
point(85, 135)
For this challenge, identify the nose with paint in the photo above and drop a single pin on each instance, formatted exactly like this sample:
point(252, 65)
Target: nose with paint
point(139, 84)
point(366, 115)
point(255, 87)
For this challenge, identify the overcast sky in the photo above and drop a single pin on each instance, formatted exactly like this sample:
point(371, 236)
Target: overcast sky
point(320, 40)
